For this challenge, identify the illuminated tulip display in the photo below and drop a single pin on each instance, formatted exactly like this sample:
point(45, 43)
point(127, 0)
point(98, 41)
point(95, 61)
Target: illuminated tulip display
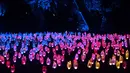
point(69, 65)
point(28, 47)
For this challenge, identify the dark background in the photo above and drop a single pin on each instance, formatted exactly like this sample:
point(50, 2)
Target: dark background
point(16, 19)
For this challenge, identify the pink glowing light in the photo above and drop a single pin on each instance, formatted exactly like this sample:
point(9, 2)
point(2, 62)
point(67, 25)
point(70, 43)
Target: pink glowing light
point(7, 57)
point(83, 57)
point(76, 56)
point(63, 52)
point(48, 61)
point(12, 68)
point(2, 60)
point(93, 56)
point(14, 59)
point(44, 69)
point(23, 60)
point(37, 56)
point(124, 65)
point(19, 55)
point(8, 64)
point(62, 58)
point(41, 59)
point(75, 64)
point(54, 65)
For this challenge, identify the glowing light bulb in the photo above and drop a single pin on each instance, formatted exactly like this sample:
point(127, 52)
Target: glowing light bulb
point(106, 51)
point(75, 64)
point(12, 69)
point(118, 52)
point(2, 60)
point(63, 52)
point(110, 61)
point(98, 57)
point(23, 60)
point(8, 64)
point(89, 65)
point(53, 50)
point(102, 53)
point(37, 56)
point(76, 56)
point(62, 58)
point(97, 65)
point(14, 59)
point(113, 60)
point(44, 69)
point(117, 64)
point(79, 51)
point(7, 57)
point(124, 65)
point(115, 52)
point(41, 59)
point(54, 65)
point(127, 54)
point(83, 57)
point(57, 48)
point(69, 65)
point(121, 59)
point(48, 50)
point(48, 61)
point(92, 61)
point(40, 53)
point(44, 53)
point(58, 62)
point(54, 57)
point(93, 56)
point(103, 58)
point(122, 51)
point(4, 53)
point(15, 54)
point(19, 55)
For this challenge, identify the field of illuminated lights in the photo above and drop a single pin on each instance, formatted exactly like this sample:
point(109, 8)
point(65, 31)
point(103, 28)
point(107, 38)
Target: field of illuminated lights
point(68, 49)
